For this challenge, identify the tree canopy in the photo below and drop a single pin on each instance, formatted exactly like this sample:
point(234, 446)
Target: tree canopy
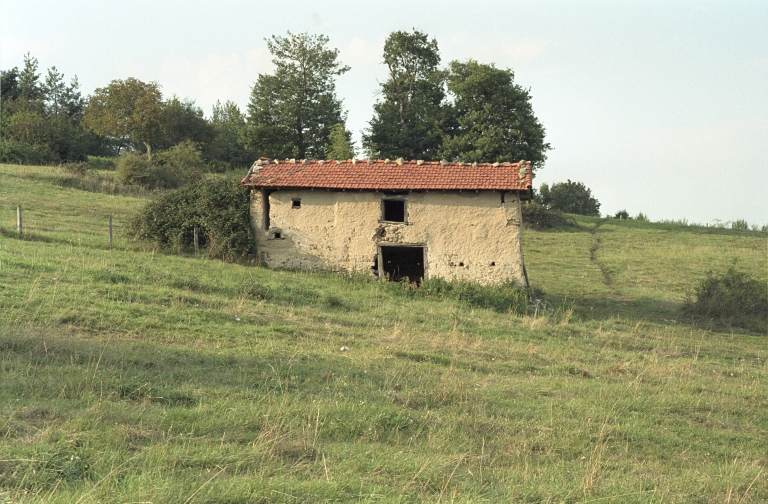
point(495, 120)
point(127, 108)
point(228, 144)
point(470, 112)
point(339, 146)
point(411, 116)
point(183, 121)
point(291, 112)
point(569, 197)
point(41, 118)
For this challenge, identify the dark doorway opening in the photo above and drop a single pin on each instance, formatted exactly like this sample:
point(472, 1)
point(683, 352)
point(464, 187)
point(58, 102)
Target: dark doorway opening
point(402, 263)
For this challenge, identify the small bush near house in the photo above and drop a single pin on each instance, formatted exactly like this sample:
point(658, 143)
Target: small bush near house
point(536, 216)
point(219, 208)
point(734, 297)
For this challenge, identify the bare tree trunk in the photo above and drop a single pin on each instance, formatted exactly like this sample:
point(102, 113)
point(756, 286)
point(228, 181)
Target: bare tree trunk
point(149, 150)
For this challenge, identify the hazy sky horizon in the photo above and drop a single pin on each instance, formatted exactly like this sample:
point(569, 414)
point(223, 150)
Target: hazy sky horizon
point(658, 107)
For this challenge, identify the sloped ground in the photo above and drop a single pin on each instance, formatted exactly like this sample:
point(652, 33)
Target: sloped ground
point(131, 375)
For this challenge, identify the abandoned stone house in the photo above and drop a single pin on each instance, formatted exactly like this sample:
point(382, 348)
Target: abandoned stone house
point(395, 219)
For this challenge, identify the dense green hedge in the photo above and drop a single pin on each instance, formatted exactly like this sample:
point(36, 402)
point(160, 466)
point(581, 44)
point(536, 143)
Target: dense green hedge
point(219, 208)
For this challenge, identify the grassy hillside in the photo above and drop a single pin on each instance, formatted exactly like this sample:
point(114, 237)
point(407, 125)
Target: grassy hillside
point(132, 375)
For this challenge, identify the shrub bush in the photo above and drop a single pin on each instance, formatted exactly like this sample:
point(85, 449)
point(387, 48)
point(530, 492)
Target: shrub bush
point(622, 214)
point(536, 216)
point(219, 208)
point(740, 225)
point(569, 197)
point(78, 169)
point(734, 297)
point(134, 168)
point(169, 169)
point(102, 162)
point(182, 162)
point(15, 152)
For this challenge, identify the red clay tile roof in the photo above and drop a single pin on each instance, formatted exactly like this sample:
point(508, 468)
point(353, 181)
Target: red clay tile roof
point(389, 175)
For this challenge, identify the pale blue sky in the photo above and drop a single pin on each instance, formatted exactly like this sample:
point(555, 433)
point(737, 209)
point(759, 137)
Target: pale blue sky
point(659, 107)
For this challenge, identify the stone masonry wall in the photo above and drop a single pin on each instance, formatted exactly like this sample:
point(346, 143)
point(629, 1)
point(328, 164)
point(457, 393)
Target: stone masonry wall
point(467, 235)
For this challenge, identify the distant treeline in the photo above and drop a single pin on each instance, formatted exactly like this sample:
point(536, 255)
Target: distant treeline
point(467, 111)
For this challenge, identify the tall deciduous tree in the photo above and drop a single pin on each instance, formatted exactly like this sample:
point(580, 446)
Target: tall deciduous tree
point(127, 108)
point(411, 115)
point(228, 145)
point(495, 120)
point(183, 121)
point(291, 112)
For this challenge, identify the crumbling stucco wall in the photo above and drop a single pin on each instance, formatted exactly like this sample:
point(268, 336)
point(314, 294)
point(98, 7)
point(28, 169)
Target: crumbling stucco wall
point(467, 235)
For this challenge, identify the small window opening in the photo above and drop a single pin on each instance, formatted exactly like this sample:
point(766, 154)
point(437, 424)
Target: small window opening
point(278, 236)
point(393, 210)
point(296, 203)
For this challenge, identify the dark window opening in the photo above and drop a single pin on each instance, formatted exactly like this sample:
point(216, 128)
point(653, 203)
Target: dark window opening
point(403, 263)
point(278, 236)
point(296, 203)
point(265, 208)
point(393, 210)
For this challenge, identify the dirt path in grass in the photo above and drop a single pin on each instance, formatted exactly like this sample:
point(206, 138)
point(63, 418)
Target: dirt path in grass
point(593, 256)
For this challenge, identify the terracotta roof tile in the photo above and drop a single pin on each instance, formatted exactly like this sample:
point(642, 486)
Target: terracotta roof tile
point(392, 175)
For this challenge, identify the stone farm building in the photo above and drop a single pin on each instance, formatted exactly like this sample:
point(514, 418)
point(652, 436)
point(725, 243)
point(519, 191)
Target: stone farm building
point(394, 219)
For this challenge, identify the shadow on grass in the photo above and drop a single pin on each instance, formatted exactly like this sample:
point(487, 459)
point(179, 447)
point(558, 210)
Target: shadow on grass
point(657, 311)
point(26, 236)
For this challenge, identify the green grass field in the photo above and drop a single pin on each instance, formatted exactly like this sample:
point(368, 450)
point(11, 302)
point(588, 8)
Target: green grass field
point(134, 375)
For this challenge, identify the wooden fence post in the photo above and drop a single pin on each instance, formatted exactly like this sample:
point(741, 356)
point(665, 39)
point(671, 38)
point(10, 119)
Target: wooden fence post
point(18, 220)
point(110, 231)
point(197, 243)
